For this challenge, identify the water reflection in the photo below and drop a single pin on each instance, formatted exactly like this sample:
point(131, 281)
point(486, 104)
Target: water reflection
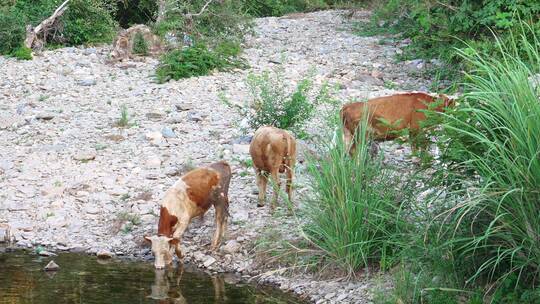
point(82, 279)
point(166, 287)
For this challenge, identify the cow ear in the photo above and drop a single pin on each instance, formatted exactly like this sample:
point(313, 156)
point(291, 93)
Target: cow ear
point(174, 241)
point(148, 239)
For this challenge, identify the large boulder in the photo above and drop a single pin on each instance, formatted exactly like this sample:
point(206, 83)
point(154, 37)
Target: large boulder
point(123, 44)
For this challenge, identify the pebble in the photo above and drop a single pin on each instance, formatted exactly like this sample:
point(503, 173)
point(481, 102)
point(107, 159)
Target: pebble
point(85, 155)
point(104, 254)
point(86, 82)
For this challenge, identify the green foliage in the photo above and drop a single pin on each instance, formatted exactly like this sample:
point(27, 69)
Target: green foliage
point(11, 31)
point(264, 8)
point(501, 143)
point(84, 21)
point(354, 218)
point(197, 60)
point(22, 53)
point(130, 12)
point(88, 21)
point(434, 25)
point(140, 46)
point(273, 104)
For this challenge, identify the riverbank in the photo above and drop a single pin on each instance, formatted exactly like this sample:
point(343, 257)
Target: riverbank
point(72, 180)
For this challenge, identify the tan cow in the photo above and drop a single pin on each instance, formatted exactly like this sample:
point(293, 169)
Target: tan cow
point(389, 114)
point(273, 151)
point(191, 196)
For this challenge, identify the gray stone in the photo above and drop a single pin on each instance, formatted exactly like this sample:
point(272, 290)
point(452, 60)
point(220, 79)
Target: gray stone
point(183, 106)
point(45, 116)
point(231, 247)
point(194, 117)
point(240, 149)
point(86, 82)
point(46, 253)
point(85, 155)
point(209, 261)
point(168, 132)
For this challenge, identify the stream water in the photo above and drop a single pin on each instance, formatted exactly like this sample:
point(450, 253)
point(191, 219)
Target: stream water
point(84, 279)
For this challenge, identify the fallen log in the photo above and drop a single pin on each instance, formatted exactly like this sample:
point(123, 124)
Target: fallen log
point(32, 33)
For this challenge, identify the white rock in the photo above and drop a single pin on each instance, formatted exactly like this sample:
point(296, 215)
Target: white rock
point(51, 266)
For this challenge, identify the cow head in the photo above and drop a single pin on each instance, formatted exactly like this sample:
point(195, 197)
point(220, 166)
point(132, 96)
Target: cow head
point(162, 248)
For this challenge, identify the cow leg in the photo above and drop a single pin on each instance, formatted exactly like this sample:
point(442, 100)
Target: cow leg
point(178, 233)
point(348, 140)
point(221, 217)
point(276, 184)
point(262, 180)
point(290, 175)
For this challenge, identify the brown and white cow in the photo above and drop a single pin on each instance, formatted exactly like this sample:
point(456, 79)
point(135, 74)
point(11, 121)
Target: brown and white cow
point(191, 196)
point(398, 112)
point(273, 151)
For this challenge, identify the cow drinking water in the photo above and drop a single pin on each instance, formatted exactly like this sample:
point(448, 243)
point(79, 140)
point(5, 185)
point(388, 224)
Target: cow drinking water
point(191, 196)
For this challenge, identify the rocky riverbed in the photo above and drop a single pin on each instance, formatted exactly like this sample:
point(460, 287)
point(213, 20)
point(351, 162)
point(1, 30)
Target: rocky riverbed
point(72, 179)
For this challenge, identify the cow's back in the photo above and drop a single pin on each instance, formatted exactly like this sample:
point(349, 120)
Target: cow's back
point(269, 147)
point(199, 185)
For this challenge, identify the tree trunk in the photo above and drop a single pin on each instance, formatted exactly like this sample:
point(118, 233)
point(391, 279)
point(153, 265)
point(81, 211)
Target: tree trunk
point(42, 28)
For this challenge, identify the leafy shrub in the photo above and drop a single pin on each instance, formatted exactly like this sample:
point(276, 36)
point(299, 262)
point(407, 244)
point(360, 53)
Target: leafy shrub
point(433, 26)
point(22, 53)
point(354, 218)
point(85, 21)
point(88, 21)
point(197, 60)
point(140, 46)
point(11, 31)
point(130, 12)
point(273, 104)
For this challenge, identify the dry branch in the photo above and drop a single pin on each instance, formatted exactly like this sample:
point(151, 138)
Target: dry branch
point(43, 27)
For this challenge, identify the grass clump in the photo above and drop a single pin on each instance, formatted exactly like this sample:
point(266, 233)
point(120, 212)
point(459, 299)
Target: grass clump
point(197, 60)
point(123, 121)
point(22, 53)
point(354, 218)
point(501, 144)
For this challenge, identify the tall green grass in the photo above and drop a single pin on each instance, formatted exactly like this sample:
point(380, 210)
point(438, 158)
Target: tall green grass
point(495, 232)
point(355, 218)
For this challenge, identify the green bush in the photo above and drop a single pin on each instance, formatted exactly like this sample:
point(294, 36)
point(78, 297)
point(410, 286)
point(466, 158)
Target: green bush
point(88, 21)
point(355, 217)
point(434, 25)
point(140, 46)
point(85, 21)
point(12, 31)
point(273, 103)
point(197, 60)
point(22, 53)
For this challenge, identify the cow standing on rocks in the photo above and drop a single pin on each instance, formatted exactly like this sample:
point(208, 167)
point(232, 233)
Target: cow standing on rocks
point(273, 151)
point(191, 196)
point(389, 114)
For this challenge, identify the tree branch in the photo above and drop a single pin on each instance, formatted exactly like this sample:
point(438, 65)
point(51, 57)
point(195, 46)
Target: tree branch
point(32, 33)
point(202, 10)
